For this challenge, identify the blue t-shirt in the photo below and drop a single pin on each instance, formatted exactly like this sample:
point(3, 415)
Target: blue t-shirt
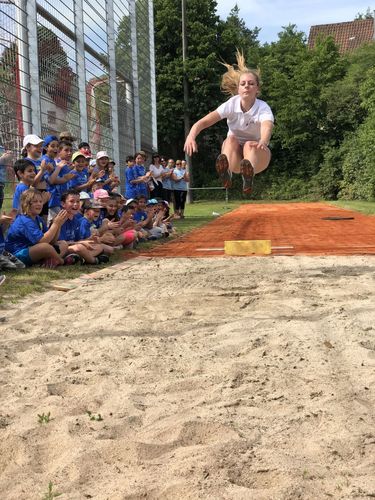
point(99, 221)
point(142, 188)
point(79, 179)
point(20, 188)
point(65, 186)
point(70, 230)
point(140, 216)
point(130, 189)
point(180, 184)
point(56, 190)
point(25, 232)
point(85, 228)
point(167, 181)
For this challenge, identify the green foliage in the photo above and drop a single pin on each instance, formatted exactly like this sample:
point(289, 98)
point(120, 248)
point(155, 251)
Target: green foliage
point(44, 418)
point(50, 494)
point(97, 418)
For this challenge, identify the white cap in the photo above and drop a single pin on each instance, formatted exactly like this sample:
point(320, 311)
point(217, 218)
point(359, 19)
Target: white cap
point(84, 196)
point(31, 139)
point(101, 154)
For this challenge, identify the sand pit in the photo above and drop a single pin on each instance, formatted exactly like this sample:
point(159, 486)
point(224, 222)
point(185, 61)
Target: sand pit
point(217, 378)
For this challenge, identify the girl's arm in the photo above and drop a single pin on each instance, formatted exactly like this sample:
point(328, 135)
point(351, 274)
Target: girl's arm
point(205, 122)
point(265, 133)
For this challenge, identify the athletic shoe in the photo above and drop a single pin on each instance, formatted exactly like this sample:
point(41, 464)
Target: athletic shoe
point(102, 259)
point(6, 264)
point(222, 168)
point(71, 259)
point(18, 263)
point(247, 172)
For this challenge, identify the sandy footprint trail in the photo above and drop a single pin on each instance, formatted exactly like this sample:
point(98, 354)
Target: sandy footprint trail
point(215, 378)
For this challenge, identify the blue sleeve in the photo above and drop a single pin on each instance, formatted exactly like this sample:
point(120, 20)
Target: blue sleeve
point(31, 230)
point(73, 183)
point(84, 229)
point(17, 195)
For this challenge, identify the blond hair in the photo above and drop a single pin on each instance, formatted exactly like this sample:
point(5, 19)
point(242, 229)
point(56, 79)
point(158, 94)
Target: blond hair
point(27, 198)
point(231, 79)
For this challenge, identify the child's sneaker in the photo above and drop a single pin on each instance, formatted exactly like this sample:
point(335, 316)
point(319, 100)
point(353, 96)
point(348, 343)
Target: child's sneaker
point(247, 172)
point(18, 263)
point(6, 264)
point(72, 258)
point(102, 259)
point(222, 168)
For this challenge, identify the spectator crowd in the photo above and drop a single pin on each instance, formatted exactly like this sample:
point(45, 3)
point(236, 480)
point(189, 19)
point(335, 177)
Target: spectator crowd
point(67, 208)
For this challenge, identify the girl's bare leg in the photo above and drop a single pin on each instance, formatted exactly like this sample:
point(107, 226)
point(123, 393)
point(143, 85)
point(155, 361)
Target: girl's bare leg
point(233, 151)
point(259, 158)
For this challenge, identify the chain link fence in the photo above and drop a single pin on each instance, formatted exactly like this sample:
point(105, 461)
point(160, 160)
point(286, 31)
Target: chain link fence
point(85, 66)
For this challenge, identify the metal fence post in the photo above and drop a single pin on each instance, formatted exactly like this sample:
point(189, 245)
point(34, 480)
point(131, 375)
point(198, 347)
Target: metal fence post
point(81, 71)
point(152, 73)
point(134, 47)
point(36, 121)
point(23, 65)
point(113, 84)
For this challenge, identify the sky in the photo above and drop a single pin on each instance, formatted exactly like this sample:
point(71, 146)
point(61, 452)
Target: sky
point(271, 15)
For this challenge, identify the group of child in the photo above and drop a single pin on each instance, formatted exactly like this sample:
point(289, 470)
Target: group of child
point(66, 208)
point(165, 180)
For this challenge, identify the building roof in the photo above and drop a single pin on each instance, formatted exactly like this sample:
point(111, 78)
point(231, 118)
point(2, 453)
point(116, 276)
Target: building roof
point(347, 36)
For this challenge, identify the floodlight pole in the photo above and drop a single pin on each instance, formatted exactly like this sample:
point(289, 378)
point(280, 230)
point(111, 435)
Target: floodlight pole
point(186, 98)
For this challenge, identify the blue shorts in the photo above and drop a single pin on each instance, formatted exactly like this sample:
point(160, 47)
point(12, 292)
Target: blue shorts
point(24, 256)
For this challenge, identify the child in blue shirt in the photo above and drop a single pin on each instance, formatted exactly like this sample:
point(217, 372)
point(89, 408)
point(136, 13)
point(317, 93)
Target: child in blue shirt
point(81, 181)
point(142, 177)
point(25, 173)
point(53, 178)
point(28, 238)
point(7, 260)
point(130, 176)
point(89, 250)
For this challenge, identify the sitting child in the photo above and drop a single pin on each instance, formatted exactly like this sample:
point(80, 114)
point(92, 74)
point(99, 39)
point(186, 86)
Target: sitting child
point(7, 260)
point(28, 238)
point(120, 227)
point(91, 251)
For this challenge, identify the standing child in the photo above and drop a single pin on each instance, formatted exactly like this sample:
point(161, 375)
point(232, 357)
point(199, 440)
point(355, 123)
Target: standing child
point(33, 150)
point(25, 173)
point(50, 149)
point(81, 181)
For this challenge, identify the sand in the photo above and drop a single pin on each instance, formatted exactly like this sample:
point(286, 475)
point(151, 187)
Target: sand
point(226, 378)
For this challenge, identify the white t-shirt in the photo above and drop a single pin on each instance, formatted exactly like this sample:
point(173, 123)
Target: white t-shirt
point(245, 126)
point(156, 171)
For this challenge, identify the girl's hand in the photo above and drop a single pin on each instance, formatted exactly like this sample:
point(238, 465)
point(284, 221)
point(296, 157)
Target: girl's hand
point(190, 146)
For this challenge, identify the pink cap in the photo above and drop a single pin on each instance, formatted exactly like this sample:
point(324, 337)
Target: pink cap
point(101, 154)
point(101, 193)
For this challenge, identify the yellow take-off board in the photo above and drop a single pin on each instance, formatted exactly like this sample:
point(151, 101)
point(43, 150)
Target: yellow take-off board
point(247, 247)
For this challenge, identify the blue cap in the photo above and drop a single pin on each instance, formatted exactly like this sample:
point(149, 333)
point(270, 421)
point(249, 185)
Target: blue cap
point(152, 202)
point(48, 139)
